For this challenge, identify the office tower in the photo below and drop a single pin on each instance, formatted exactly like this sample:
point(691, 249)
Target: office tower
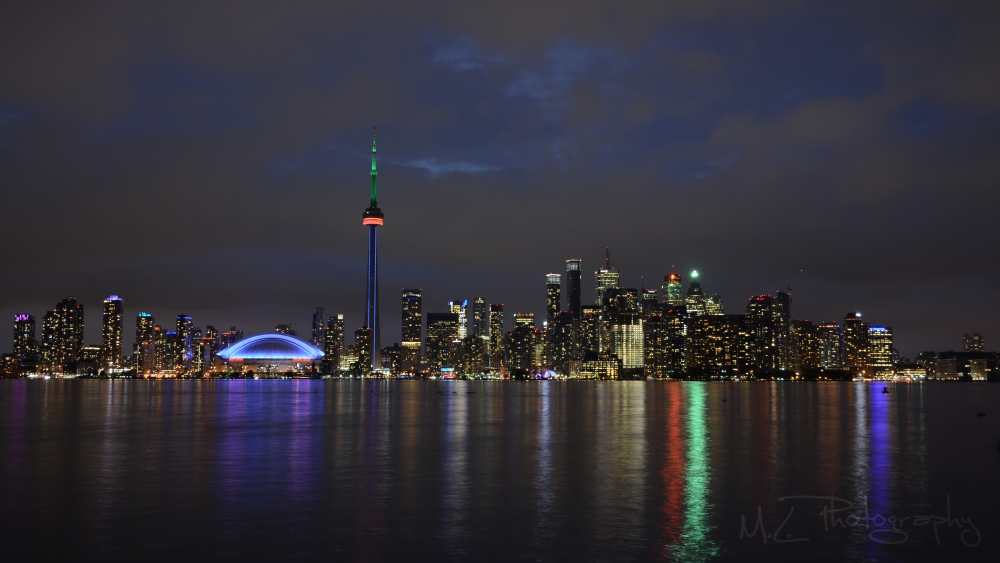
point(284, 329)
point(144, 348)
point(521, 348)
point(761, 333)
point(855, 343)
point(713, 305)
point(880, 352)
point(412, 326)
point(803, 339)
point(333, 340)
point(496, 336)
point(480, 318)
point(781, 309)
point(229, 337)
point(111, 333)
point(25, 346)
point(608, 278)
point(627, 333)
point(649, 301)
point(973, 342)
point(348, 357)
point(442, 331)
point(373, 219)
point(830, 342)
point(652, 339)
point(212, 339)
point(553, 287)
point(525, 319)
point(183, 352)
point(590, 330)
point(363, 341)
point(459, 308)
point(574, 279)
point(318, 329)
point(672, 290)
point(695, 299)
point(674, 340)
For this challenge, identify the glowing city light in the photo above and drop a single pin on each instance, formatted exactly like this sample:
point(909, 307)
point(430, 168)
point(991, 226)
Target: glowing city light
point(694, 273)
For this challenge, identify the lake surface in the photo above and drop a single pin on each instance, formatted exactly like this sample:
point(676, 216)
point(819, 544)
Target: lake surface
point(496, 471)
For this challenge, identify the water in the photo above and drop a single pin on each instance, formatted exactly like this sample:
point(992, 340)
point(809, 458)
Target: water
point(489, 471)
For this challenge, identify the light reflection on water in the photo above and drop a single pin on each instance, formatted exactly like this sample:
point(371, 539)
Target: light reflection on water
point(457, 471)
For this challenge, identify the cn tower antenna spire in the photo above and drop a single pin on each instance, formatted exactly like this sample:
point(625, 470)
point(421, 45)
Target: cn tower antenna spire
point(374, 172)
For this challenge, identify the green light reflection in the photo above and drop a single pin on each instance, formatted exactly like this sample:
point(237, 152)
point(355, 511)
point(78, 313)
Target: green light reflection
point(695, 544)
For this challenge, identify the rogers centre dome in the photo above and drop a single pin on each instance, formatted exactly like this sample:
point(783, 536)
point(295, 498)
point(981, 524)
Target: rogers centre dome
point(271, 346)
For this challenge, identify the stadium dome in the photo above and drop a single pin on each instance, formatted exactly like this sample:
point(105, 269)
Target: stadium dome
point(271, 346)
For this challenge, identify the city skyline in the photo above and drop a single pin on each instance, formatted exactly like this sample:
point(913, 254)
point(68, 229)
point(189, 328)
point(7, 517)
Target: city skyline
point(171, 170)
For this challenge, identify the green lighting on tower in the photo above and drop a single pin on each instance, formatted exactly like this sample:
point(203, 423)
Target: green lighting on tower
point(694, 273)
point(374, 172)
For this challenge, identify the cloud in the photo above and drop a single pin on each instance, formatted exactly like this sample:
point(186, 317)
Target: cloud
point(440, 167)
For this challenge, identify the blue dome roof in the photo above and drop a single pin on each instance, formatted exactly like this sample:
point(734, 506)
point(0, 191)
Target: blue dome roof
point(271, 346)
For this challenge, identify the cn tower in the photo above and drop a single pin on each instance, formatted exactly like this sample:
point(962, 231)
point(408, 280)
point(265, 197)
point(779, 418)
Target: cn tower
point(373, 219)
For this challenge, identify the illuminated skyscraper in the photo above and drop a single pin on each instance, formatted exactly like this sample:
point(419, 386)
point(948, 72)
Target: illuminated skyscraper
point(855, 343)
point(412, 326)
point(363, 341)
point(183, 352)
point(460, 308)
point(760, 327)
point(553, 286)
point(672, 290)
point(144, 349)
point(713, 305)
point(627, 334)
point(333, 340)
point(232, 336)
point(318, 329)
point(496, 336)
point(782, 313)
point(480, 318)
point(163, 354)
point(373, 219)
point(830, 344)
point(695, 300)
point(649, 302)
point(62, 336)
point(521, 351)
point(212, 339)
point(804, 344)
point(574, 278)
point(25, 347)
point(880, 359)
point(590, 330)
point(674, 341)
point(442, 332)
point(111, 333)
point(973, 342)
point(561, 345)
point(608, 278)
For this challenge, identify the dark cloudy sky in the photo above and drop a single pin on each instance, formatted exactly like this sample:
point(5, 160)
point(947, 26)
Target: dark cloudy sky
point(211, 158)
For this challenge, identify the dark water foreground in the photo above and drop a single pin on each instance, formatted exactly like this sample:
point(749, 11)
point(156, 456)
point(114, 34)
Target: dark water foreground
point(474, 471)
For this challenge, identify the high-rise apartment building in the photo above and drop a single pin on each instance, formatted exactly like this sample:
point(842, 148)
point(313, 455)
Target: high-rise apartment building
point(62, 336)
point(856, 343)
point(333, 340)
point(442, 332)
point(590, 330)
point(496, 336)
point(574, 278)
point(144, 348)
point(674, 340)
point(230, 337)
point(363, 341)
point(25, 346)
point(781, 309)
point(521, 349)
point(413, 321)
point(761, 333)
point(111, 333)
point(973, 342)
point(804, 343)
point(318, 329)
point(831, 348)
point(184, 349)
point(553, 288)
